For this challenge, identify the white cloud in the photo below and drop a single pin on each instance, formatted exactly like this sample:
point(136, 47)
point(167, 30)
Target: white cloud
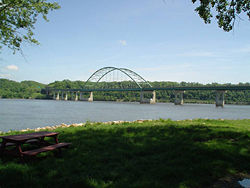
point(12, 67)
point(5, 76)
point(123, 42)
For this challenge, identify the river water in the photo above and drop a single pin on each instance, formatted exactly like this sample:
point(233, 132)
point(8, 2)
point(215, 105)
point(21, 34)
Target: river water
point(20, 114)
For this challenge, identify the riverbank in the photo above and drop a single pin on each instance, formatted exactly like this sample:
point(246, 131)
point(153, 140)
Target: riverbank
point(143, 153)
point(63, 125)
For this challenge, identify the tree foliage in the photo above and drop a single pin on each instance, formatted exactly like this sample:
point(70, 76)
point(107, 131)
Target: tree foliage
point(18, 17)
point(17, 20)
point(204, 96)
point(24, 89)
point(32, 89)
point(227, 11)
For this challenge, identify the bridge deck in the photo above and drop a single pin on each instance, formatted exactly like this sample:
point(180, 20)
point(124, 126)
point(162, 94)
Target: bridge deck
point(231, 88)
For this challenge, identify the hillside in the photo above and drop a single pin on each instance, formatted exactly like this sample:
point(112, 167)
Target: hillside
point(32, 89)
point(232, 97)
point(24, 89)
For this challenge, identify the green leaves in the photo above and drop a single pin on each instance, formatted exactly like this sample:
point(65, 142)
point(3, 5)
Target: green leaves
point(17, 19)
point(226, 11)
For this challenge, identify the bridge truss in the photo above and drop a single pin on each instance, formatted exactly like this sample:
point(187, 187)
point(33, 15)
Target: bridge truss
point(118, 76)
point(112, 79)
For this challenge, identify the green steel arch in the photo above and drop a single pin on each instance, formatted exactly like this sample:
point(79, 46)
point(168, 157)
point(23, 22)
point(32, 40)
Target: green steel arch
point(136, 78)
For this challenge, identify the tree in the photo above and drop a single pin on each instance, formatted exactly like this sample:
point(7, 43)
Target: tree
point(18, 17)
point(226, 11)
point(17, 20)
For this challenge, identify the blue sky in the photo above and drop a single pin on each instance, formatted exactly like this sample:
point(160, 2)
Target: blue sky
point(160, 41)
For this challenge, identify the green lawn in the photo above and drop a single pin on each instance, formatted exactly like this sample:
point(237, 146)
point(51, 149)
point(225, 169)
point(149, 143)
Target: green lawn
point(160, 153)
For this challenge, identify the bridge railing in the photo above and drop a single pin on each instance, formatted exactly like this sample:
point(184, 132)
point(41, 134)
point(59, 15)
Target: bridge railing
point(180, 88)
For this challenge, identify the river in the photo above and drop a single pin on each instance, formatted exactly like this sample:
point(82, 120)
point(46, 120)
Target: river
point(17, 114)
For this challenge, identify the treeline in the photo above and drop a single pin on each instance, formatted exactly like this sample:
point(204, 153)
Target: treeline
point(21, 90)
point(31, 89)
point(231, 97)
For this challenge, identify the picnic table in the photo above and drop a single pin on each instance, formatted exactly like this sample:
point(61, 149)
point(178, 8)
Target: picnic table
point(37, 138)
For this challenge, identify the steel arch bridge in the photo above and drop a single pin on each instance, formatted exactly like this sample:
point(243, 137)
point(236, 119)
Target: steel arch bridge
point(98, 75)
point(141, 84)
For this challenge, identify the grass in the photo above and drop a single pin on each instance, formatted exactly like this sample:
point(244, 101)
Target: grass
point(161, 153)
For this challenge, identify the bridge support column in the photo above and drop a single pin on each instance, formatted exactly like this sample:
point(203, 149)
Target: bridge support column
point(147, 101)
point(90, 99)
point(178, 97)
point(153, 100)
point(220, 98)
point(66, 96)
point(58, 96)
point(72, 96)
point(76, 97)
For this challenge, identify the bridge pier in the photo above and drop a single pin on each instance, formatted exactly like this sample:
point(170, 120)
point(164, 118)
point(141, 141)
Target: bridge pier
point(58, 96)
point(220, 98)
point(90, 99)
point(76, 97)
point(66, 96)
point(147, 101)
point(178, 97)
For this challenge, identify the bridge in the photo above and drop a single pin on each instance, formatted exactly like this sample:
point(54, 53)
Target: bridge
point(136, 83)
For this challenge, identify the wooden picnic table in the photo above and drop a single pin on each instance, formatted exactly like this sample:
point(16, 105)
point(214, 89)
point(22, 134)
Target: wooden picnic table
point(38, 138)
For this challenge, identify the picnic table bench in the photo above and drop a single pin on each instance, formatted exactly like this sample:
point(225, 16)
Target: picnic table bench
point(37, 138)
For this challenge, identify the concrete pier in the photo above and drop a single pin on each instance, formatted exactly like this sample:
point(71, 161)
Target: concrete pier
point(147, 101)
point(178, 97)
point(220, 98)
point(66, 96)
point(90, 99)
point(58, 96)
point(76, 97)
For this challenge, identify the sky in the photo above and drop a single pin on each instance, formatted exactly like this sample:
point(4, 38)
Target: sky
point(160, 41)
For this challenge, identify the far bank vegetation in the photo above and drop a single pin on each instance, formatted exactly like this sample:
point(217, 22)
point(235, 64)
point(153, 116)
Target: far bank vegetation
point(32, 90)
